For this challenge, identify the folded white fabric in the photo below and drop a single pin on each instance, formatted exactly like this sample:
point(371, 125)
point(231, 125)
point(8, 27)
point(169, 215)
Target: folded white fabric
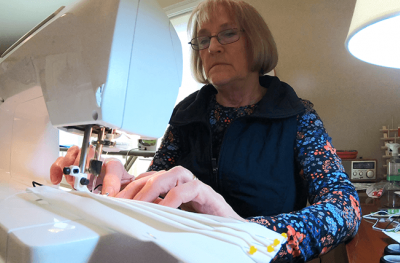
point(186, 236)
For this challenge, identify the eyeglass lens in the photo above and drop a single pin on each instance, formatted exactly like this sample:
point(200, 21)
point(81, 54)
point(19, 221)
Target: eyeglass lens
point(224, 37)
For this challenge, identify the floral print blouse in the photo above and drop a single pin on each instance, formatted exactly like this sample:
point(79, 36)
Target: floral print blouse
point(334, 213)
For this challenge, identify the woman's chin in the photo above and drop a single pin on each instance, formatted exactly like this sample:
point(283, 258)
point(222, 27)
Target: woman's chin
point(220, 80)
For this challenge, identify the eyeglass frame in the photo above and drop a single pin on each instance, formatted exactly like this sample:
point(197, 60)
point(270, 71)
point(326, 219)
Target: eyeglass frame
point(239, 33)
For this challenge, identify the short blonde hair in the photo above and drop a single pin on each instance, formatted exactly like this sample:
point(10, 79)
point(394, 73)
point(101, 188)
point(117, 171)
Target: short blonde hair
point(262, 46)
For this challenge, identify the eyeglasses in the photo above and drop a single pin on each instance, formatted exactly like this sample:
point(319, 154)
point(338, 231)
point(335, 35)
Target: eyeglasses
point(224, 37)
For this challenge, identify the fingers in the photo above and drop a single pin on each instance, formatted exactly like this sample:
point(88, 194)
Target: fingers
point(114, 172)
point(133, 188)
point(145, 174)
point(149, 186)
point(181, 191)
point(162, 182)
point(71, 158)
point(56, 169)
point(182, 194)
point(198, 197)
point(90, 155)
point(128, 178)
point(130, 191)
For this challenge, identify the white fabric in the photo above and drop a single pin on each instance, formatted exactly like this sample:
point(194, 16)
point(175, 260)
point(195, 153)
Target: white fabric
point(189, 237)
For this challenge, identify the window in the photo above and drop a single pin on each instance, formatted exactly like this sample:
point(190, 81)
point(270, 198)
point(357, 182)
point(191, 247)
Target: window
point(189, 85)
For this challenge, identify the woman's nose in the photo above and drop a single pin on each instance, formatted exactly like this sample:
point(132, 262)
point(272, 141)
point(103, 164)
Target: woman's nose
point(214, 46)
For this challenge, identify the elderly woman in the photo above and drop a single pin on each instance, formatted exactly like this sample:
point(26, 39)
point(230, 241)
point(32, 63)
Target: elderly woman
point(257, 150)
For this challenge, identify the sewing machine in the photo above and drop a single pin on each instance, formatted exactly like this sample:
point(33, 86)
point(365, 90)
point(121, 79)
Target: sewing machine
point(95, 62)
point(95, 68)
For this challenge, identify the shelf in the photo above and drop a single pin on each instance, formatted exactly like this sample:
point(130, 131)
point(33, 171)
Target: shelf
point(390, 130)
point(392, 136)
point(391, 139)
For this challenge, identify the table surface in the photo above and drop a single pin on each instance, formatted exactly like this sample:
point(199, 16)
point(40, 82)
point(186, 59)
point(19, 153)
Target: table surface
point(368, 244)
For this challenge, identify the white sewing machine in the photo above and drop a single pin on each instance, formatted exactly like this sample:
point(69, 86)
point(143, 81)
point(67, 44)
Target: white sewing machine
point(87, 69)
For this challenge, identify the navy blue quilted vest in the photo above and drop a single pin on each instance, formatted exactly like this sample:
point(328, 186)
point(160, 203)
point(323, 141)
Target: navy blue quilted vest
point(256, 171)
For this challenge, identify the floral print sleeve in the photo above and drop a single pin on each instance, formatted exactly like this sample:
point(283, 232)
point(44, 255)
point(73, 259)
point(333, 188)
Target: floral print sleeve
point(334, 214)
point(168, 152)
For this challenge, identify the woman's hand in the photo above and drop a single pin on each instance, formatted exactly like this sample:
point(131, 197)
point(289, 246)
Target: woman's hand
point(181, 189)
point(113, 175)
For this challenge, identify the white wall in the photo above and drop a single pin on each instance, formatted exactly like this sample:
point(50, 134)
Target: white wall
point(353, 98)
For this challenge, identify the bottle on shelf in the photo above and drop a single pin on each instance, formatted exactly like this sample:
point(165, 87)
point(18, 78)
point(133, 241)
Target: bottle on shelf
point(393, 174)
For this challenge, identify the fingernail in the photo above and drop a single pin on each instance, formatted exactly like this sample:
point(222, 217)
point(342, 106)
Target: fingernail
point(108, 190)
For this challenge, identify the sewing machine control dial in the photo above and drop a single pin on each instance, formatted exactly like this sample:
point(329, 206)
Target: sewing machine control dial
point(363, 174)
point(370, 174)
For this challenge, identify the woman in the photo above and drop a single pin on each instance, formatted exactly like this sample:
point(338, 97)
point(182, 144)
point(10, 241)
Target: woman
point(256, 148)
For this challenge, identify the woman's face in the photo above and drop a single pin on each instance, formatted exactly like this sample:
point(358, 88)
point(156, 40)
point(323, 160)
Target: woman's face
point(224, 64)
